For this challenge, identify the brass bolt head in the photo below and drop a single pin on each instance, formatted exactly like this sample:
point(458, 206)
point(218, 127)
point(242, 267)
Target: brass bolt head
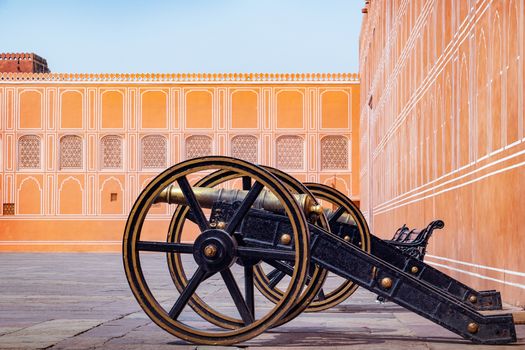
point(386, 282)
point(472, 327)
point(210, 250)
point(221, 225)
point(286, 239)
point(473, 299)
point(414, 270)
point(316, 209)
point(346, 238)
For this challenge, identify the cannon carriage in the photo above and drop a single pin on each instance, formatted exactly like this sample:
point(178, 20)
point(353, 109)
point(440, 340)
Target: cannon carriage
point(260, 229)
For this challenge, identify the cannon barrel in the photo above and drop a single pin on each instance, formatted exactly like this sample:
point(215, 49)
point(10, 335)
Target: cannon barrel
point(266, 200)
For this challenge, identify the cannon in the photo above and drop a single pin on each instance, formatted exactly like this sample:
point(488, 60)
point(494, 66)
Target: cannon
point(247, 218)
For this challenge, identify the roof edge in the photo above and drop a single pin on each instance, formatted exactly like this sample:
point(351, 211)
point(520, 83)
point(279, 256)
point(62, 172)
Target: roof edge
point(182, 77)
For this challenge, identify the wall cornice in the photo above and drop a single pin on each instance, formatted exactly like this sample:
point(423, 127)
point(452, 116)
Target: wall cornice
point(216, 78)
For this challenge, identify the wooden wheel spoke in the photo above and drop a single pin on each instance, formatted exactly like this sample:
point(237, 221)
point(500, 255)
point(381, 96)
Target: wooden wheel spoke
point(151, 246)
point(246, 183)
point(245, 206)
point(248, 288)
point(336, 215)
point(194, 205)
point(186, 294)
point(263, 253)
point(276, 279)
point(283, 269)
point(239, 301)
point(272, 274)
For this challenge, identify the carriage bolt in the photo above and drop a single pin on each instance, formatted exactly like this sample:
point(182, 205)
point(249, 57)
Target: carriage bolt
point(473, 299)
point(286, 239)
point(414, 270)
point(221, 225)
point(472, 327)
point(386, 282)
point(346, 238)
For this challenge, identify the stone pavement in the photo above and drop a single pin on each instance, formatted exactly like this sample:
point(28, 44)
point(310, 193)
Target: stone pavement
point(83, 301)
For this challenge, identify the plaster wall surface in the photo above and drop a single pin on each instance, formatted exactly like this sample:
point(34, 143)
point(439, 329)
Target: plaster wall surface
point(442, 132)
point(77, 149)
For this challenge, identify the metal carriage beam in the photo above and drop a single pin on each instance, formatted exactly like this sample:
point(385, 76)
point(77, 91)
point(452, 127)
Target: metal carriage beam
point(387, 280)
point(344, 225)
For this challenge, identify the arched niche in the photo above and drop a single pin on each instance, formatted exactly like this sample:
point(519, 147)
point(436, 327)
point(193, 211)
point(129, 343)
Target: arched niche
point(290, 109)
point(29, 196)
point(70, 196)
point(71, 110)
point(199, 109)
point(244, 109)
point(112, 110)
point(111, 193)
point(154, 110)
point(335, 107)
point(30, 109)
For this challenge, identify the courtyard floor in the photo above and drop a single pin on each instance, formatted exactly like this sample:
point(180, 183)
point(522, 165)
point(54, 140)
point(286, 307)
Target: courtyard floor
point(83, 301)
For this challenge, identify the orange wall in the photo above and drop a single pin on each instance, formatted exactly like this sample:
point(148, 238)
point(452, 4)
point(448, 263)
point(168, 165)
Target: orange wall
point(442, 131)
point(80, 201)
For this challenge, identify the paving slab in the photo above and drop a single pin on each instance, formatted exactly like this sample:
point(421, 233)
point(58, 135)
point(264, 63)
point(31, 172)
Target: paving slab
point(83, 301)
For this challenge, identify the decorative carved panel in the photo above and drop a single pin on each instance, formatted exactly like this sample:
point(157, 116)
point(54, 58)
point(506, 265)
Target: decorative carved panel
point(71, 152)
point(154, 151)
point(111, 152)
point(245, 147)
point(9, 208)
point(290, 152)
point(198, 146)
point(334, 153)
point(29, 152)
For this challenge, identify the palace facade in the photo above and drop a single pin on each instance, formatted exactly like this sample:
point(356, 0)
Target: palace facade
point(442, 132)
point(76, 149)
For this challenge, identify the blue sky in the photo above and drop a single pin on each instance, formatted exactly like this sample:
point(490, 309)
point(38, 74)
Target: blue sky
point(185, 36)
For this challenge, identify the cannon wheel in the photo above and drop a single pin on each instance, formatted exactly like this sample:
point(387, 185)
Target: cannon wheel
point(343, 205)
point(225, 243)
point(315, 279)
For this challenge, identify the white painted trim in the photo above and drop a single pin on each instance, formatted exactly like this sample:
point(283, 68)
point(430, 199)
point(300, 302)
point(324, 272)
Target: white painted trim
point(478, 275)
point(508, 272)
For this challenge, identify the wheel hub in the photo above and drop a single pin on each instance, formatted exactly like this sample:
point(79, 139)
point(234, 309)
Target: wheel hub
point(215, 250)
point(210, 251)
